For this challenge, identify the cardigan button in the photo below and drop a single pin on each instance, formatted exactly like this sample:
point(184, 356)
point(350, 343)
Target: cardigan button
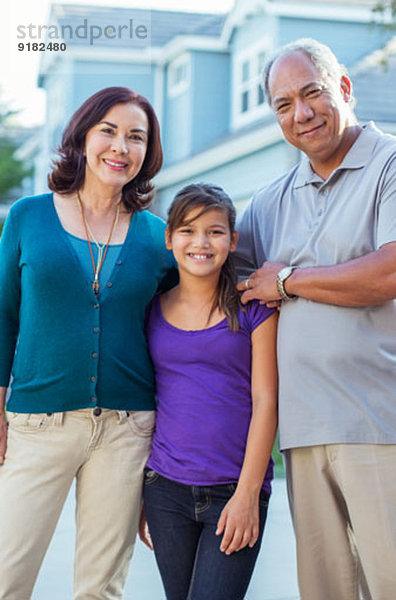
point(96, 329)
point(109, 284)
point(97, 412)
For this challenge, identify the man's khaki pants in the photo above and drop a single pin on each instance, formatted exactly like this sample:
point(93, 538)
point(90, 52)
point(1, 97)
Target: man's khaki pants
point(343, 502)
point(106, 454)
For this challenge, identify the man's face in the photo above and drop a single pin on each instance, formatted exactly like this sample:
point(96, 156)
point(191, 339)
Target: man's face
point(312, 110)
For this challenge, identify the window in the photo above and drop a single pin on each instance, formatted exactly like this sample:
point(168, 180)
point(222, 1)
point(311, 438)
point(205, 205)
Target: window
point(179, 75)
point(248, 98)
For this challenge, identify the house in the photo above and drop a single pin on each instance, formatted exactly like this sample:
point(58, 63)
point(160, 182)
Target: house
point(202, 74)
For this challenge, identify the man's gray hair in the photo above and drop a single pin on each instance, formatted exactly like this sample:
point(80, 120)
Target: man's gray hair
point(320, 54)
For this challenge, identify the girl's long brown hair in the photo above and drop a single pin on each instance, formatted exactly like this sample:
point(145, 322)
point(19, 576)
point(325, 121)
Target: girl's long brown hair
point(210, 197)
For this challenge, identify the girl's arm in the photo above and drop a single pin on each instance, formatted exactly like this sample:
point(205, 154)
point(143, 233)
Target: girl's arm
point(239, 520)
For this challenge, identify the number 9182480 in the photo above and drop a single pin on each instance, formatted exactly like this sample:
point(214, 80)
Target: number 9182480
point(41, 47)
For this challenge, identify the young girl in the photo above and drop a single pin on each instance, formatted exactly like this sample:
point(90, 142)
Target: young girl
point(207, 484)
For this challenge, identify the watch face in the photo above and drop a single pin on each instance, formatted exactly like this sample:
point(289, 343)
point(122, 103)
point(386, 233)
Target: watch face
point(284, 273)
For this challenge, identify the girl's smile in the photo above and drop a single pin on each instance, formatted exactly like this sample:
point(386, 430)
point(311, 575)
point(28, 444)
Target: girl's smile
point(202, 243)
point(200, 257)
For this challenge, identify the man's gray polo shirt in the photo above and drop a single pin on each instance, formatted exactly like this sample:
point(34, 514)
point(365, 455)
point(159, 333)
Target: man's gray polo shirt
point(337, 365)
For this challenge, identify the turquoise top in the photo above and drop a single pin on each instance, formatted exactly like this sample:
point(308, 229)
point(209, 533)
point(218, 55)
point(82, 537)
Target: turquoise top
point(75, 350)
point(81, 248)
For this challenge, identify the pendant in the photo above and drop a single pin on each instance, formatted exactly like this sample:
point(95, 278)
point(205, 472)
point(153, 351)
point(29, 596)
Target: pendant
point(95, 287)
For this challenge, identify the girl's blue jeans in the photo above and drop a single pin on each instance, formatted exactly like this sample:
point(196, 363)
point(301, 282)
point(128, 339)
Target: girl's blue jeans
point(182, 520)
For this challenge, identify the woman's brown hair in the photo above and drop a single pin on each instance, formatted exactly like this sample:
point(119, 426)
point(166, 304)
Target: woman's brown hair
point(210, 197)
point(68, 171)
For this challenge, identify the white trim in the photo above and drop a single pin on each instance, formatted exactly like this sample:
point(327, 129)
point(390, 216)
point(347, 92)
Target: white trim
point(183, 43)
point(248, 55)
point(176, 86)
point(220, 155)
point(53, 63)
point(240, 13)
point(327, 10)
point(152, 54)
point(91, 54)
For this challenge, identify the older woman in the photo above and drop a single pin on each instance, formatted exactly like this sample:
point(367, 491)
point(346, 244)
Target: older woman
point(77, 269)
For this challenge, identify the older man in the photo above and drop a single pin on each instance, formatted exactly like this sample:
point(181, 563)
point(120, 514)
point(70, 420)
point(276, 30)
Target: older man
point(325, 235)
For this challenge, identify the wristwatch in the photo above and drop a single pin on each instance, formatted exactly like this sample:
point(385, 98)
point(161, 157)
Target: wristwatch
point(280, 282)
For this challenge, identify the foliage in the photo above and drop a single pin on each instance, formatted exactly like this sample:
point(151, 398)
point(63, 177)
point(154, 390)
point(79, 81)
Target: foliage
point(383, 8)
point(279, 469)
point(12, 171)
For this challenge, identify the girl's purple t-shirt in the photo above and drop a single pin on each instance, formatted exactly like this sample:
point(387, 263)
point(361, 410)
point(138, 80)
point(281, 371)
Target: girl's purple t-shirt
point(204, 398)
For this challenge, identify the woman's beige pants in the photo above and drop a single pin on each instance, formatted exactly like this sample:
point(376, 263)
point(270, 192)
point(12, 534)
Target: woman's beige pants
point(106, 453)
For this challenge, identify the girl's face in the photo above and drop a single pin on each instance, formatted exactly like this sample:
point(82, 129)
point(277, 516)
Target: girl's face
point(115, 147)
point(201, 247)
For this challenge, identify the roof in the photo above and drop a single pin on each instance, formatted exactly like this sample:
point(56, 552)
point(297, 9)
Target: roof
point(374, 82)
point(163, 25)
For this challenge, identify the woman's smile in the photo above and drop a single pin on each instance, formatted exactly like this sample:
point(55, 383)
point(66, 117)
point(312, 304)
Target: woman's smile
point(115, 148)
point(114, 164)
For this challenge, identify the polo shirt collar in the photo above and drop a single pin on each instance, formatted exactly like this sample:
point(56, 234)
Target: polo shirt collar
point(356, 158)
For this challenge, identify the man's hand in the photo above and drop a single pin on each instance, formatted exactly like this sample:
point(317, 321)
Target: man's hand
point(261, 285)
point(3, 437)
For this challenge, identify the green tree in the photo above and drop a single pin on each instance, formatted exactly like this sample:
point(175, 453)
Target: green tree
point(383, 8)
point(12, 171)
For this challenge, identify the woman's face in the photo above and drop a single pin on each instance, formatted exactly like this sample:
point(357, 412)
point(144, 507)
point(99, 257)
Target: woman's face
point(115, 147)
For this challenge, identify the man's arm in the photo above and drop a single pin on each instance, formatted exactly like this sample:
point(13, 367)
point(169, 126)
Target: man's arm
point(364, 281)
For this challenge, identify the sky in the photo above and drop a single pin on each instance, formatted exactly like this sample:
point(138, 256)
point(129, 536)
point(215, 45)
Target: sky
point(19, 69)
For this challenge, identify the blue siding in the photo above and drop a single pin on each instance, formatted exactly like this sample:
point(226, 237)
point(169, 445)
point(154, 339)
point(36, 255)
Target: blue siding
point(210, 99)
point(89, 77)
point(240, 178)
point(176, 134)
point(350, 42)
point(60, 96)
point(253, 31)
point(200, 117)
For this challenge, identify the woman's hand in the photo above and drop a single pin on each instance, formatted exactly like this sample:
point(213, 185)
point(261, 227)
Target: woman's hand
point(3, 436)
point(239, 523)
point(144, 533)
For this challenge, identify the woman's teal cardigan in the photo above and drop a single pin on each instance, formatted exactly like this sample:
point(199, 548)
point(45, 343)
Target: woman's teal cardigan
point(66, 349)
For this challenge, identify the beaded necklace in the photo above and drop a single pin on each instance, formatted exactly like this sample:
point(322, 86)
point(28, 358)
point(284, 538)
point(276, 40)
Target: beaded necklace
point(102, 248)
